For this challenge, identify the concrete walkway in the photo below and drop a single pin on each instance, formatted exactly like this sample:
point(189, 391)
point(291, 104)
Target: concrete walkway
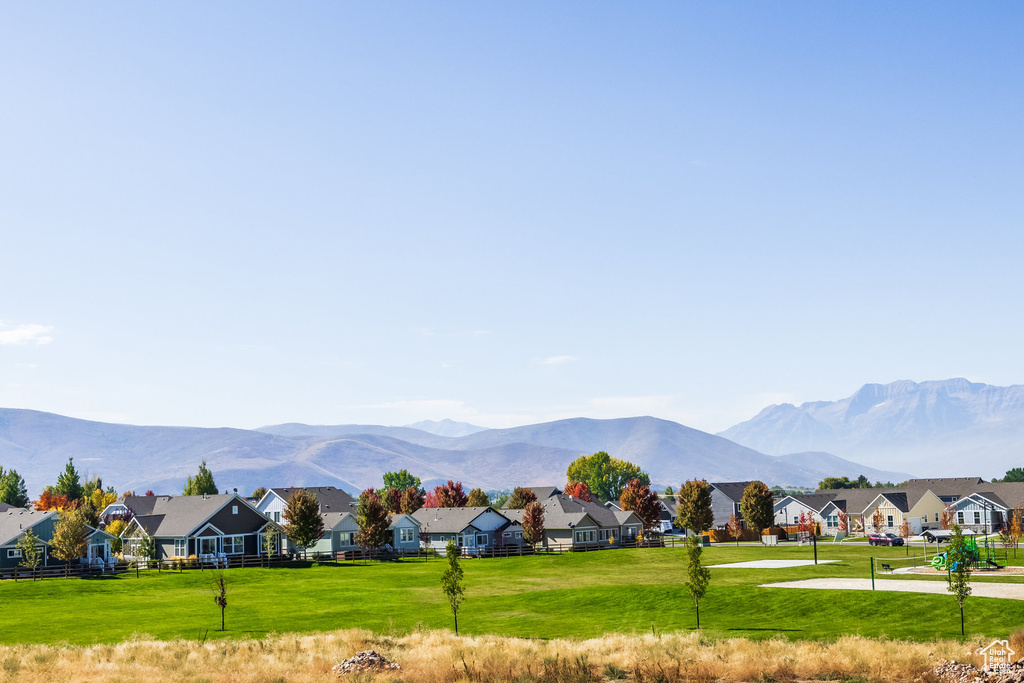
point(1009, 591)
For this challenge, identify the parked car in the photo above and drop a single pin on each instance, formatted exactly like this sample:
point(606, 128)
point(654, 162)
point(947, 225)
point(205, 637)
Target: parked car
point(884, 539)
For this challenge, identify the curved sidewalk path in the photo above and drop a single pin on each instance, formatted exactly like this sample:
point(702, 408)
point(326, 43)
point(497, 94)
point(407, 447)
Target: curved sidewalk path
point(980, 589)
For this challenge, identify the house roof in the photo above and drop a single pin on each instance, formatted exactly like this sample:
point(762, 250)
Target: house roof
point(814, 501)
point(331, 499)
point(562, 510)
point(940, 484)
point(333, 519)
point(898, 500)
point(981, 497)
point(397, 517)
point(449, 520)
point(542, 493)
point(4, 507)
point(733, 490)
point(853, 501)
point(15, 521)
point(176, 516)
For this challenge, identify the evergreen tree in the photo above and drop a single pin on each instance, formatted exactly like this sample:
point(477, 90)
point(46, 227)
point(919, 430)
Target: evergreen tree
point(12, 489)
point(303, 523)
point(69, 483)
point(202, 484)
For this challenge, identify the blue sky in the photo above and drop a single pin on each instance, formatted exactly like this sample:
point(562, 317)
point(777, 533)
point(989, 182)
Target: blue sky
point(244, 213)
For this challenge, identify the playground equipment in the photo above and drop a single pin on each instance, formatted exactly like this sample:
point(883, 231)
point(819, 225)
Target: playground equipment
point(974, 555)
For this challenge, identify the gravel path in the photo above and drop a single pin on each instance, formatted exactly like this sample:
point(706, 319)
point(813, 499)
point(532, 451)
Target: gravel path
point(1010, 591)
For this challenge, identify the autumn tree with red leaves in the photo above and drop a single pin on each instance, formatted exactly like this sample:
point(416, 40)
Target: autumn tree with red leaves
point(580, 490)
point(392, 499)
point(640, 499)
point(52, 501)
point(533, 523)
point(412, 500)
point(450, 495)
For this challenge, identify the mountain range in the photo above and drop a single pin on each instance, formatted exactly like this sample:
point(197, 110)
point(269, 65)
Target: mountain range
point(354, 457)
point(939, 428)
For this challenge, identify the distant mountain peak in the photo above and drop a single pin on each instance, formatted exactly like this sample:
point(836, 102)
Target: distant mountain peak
point(446, 427)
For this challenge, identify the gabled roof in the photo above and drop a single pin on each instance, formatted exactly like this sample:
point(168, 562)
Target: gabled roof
point(898, 499)
point(396, 517)
point(980, 497)
point(178, 516)
point(15, 521)
point(562, 511)
point(449, 520)
point(333, 519)
point(542, 493)
point(4, 507)
point(733, 490)
point(813, 501)
point(331, 499)
point(941, 484)
point(854, 501)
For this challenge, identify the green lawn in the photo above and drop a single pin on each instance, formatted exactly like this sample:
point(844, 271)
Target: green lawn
point(573, 595)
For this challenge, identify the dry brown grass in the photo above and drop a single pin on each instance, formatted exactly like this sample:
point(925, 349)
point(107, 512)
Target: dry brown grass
point(441, 657)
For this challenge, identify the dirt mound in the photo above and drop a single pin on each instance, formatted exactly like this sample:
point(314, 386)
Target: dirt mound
point(368, 660)
point(954, 672)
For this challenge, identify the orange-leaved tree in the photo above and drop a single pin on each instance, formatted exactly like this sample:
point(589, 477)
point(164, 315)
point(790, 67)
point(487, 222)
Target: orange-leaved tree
point(579, 490)
point(735, 527)
point(640, 499)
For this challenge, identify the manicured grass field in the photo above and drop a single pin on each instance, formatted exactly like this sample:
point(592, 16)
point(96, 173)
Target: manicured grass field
point(573, 595)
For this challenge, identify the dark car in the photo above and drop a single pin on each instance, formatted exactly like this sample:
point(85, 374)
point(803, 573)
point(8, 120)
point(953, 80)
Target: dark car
point(894, 539)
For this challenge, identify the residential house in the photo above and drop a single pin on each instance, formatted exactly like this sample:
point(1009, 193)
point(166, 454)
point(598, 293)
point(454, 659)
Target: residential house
point(182, 526)
point(725, 501)
point(16, 521)
point(405, 532)
point(980, 512)
point(542, 493)
point(890, 508)
point(788, 509)
point(472, 528)
point(331, 499)
point(573, 522)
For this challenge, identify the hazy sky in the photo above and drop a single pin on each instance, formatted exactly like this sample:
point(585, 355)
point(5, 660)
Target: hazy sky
point(250, 213)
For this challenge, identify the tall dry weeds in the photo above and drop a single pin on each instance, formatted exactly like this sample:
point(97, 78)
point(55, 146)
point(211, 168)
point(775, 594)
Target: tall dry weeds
point(440, 657)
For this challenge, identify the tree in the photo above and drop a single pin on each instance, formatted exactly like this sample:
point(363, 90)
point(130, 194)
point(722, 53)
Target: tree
point(450, 495)
point(947, 516)
point(959, 560)
point(804, 522)
point(606, 476)
point(12, 489)
point(412, 500)
point(49, 501)
point(202, 484)
point(392, 499)
point(877, 520)
point(533, 523)
point(221, 598)
point(843, 523)
point(269, 541)
point(1015, 526)
point(28, 544)
point(905, 534)
point(69, 484)
point(115, 528)
point(69, 537)
point(303, 523)
point(1014, 475)
point(520, 498)
point(837, 483)
point(579, 490)
point(477, 499)
point(693, 509)
point(757, 506)
point(451, 582)
point(640, 499)
point(669, 493)
point(698, 577)
point(100, 499)
point(401, 480)
point(735, 528)
point(373, 520)
point(430, 500)
point(259, 493)
point(862, 482)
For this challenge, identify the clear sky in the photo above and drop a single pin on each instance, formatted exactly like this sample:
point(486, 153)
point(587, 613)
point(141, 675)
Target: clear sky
point(244, 213)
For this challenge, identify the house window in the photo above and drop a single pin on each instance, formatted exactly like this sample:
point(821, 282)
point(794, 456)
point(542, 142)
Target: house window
point(506, 534)
point(208, 546)
point(960, 517)
point(180, 547)
point(977, 517)
point(14, 552)
point(234, 509)
point(519, 535)
point(234, 545)
point(796, 519)
point(345, 538)
point(936, 516)
point(888, 520)
point(405, 535)
point(481, 540)
point(277, 516)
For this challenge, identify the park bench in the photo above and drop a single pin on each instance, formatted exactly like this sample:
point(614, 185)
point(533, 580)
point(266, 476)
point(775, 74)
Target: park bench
point(885, 567)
